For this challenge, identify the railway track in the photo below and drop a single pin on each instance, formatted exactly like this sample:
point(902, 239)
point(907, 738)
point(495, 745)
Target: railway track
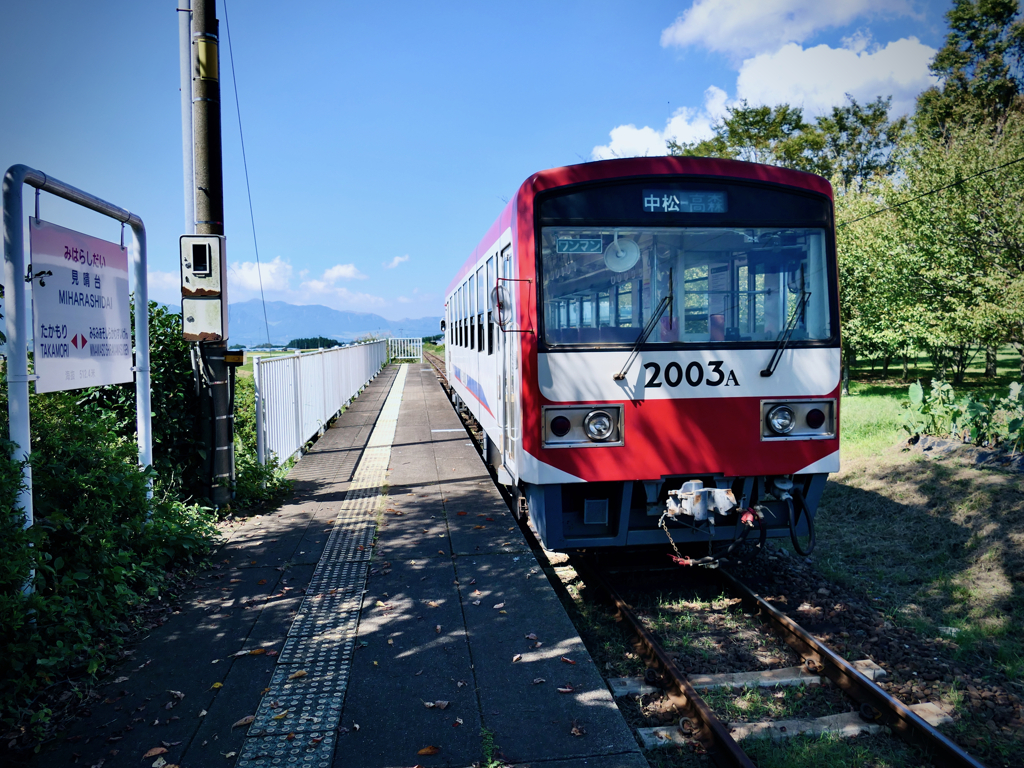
point(874, 706)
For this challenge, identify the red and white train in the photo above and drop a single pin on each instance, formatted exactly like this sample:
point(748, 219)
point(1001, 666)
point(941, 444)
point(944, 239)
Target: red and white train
point(651, 346)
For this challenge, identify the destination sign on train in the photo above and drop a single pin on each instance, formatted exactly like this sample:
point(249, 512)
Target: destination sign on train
point(678, 201)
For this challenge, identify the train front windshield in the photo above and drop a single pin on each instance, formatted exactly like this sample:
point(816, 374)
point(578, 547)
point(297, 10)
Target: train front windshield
point(708, 284)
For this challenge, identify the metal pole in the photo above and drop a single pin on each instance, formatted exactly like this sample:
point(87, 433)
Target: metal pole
point(261, 448)
point(209, 213)
point(300, 439)
point(19, 309)
point(185, 60)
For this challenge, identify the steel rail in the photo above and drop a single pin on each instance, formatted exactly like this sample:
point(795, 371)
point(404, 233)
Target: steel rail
point(892, 712)
point(712, 732)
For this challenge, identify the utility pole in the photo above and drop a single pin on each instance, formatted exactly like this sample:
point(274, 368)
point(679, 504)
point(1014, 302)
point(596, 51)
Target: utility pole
point(212, 372)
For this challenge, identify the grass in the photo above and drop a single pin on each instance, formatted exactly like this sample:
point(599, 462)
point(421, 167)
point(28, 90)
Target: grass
point(833, 752)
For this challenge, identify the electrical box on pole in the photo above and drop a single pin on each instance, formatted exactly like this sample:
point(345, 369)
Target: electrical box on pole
point(204, 300)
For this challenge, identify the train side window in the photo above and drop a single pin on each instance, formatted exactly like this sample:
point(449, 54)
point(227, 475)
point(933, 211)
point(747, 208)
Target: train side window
point(471, 298)
point(490, 320)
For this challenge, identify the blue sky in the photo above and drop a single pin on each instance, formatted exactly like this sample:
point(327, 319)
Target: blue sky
point(383, 140)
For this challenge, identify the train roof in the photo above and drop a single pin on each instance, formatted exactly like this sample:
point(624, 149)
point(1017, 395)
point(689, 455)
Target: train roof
point(632, 167)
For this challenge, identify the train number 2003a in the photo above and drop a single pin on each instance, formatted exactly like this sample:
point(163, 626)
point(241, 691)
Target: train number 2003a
point(694, 374)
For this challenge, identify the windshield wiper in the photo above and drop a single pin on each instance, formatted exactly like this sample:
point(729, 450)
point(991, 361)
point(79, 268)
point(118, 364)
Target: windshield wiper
point(783, 339)
point(665, 303)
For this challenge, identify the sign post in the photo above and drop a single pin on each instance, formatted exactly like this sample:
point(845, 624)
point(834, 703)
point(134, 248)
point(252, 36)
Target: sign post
point(81, 311)
point(18, 313)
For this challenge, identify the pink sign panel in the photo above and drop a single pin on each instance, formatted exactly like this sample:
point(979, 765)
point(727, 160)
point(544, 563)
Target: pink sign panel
point(82, 319)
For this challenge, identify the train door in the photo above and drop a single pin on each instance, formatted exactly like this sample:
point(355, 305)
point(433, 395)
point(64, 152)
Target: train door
point(509, 374)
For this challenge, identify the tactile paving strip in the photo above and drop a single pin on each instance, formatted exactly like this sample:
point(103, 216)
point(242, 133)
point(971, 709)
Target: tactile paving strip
point(324, 646)
point(309, 750)
point(317, 620)
point(309, 703)
point(321, 639)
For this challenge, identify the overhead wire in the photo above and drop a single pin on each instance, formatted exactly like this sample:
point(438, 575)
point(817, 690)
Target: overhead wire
point(245, 165)
point(930, 192)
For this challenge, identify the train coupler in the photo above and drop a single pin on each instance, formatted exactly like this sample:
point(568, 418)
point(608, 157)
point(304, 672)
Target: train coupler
point(696, 501)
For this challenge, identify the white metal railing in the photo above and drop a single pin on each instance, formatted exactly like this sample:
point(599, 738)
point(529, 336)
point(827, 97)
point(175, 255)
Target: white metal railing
point(405, 349)
point(297, 395)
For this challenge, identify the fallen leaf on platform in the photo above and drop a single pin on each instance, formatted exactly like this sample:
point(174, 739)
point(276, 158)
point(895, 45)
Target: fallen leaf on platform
point(316, 740)
point(566, 660)
point(261, 582)
point(329, 522)
point(282, 716)
point(538, 644)
point(440, 551)
point(457, 723)
point(431, 750)
point(578, 730)
point(517, 657)
point(202, 713)
point(121, 679)
point(247, 720)
point(472, 582)
point(159, 763)
point(391, 641)
point(478, 527)
point(499, 605)
point(257, 651)
point(476, 602)
point(355, 726)
point(539, 680)
point(236, 581)
point(229, 755)
point(303, 673)
point(240, 653)
point(505, 612)
point(290, 737)
point(437, 629)
point(154, 752)
point(567, 689)
point(481, 515)
point(531, 636)
point(215, 686)
point(461, 514)
point(489, 519)
point(177, 694)
point(418, 673)
point(477, 591)
point(441, 704)
point(433, 603)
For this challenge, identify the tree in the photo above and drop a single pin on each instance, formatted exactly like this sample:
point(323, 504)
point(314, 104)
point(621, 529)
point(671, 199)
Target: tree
point(318, 342)
point(980, 67)
point(762, 134)
point(966, 242)
point(855, 142)
point(859, 141)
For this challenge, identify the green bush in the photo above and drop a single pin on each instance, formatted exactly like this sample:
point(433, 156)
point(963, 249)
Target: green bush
point(994, 421)
point(254, 483)
point(99, 549)
point(178, 456)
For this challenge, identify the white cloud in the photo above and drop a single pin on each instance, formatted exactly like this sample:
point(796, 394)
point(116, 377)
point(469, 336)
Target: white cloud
point(745, 27)
point(404, 300)
point(343, 272)
point(277, 285)
point(396, 261)
point(246, 274)
point(818, 78)
point(687, 124)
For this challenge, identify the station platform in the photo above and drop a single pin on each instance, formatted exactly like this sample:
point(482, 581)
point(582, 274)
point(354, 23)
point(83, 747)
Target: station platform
point(390, 614)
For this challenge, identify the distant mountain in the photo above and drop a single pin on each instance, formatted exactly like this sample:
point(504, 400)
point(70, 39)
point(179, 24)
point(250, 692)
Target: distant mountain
point(247, 327)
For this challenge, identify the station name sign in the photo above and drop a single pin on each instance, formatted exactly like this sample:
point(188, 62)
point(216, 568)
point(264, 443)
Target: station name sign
point(81, 312)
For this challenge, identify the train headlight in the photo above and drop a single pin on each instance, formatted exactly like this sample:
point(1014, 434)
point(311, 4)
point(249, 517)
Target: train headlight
point(781, 419)
point(598, 425)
